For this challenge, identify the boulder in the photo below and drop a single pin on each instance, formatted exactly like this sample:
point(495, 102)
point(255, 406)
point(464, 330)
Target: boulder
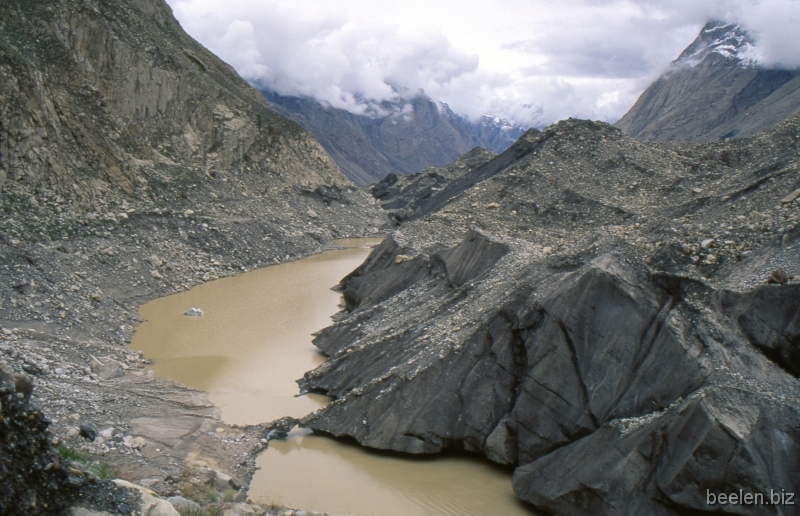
point(7, 380)
point(88, 431)
point(183, 504)
point(106, 368)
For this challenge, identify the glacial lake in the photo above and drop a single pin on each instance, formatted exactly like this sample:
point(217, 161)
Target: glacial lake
point(247, 352)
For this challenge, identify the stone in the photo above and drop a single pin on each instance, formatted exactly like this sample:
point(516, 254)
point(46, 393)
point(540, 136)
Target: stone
point(156, 275)
point(183, 504)
point(88, 431)
point(241, 509)
point(166, 430)
point(311, 213)
point(23, 384)
point(82, 511)
point(7, 381)
point(194, 312)
point(150, 504)
point(106, 368)
point(235, 484)
point(778, 276)
point(154, 260)
point(134, 443)
point(221, 480)
point(708, 242)
point(791, 197)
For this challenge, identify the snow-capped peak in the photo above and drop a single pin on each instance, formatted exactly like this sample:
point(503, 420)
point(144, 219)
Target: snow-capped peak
point(495, 122)
point(726, 39)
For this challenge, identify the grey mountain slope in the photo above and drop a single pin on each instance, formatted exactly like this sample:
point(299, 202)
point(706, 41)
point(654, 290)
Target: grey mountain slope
point(415, 135)
point(593, 311)
point(713, 91)
point(403, 196)
point(95, 90)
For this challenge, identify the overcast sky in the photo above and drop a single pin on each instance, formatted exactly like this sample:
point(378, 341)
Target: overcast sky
point(531, 61)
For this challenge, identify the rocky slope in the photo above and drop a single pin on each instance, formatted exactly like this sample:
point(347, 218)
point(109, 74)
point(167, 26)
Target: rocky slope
point(133, 164)
point(402, 196)
point(715, 89)
point(617, 320)
point(401, 137)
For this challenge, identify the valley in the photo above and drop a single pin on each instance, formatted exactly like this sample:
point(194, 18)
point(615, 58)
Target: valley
point(571, 322)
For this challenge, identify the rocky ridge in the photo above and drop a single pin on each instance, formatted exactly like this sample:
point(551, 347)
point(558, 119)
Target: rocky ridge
point(400, 196)
point(715, 89)
point(620, 322)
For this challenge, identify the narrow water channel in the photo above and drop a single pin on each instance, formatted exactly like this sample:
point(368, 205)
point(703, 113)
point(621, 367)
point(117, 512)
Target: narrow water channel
point(248, 349)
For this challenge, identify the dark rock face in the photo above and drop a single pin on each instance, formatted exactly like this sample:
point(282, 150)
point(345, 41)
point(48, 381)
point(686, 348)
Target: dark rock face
point(414, 135)
point(770, 319)
point(605, 326)
point(714, 91)
point(713, 442)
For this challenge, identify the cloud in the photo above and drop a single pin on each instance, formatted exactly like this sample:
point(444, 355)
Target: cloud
point(322, 53)
point(531, 61)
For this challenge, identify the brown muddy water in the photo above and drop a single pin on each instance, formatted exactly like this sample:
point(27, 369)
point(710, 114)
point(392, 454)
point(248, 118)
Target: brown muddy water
point(248, 349)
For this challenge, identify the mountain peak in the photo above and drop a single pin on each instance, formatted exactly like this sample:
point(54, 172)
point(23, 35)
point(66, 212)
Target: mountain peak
point(728, 40)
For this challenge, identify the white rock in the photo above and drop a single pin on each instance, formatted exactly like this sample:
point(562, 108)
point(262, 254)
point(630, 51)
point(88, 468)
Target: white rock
point(106, 368)
point(220, 480)
point(194, 312)
point(707, 243)
point(183, 503)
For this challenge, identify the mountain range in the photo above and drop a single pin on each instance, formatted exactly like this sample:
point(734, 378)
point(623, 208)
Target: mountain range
point(715, 89)
point(400, 137)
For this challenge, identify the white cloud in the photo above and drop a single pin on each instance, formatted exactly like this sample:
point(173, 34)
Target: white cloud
point(531, 61)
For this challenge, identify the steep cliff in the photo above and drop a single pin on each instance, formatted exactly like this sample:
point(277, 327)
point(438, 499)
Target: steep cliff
point(617, 320)
point(99, 95)
point(401, 137)
point(715, 89)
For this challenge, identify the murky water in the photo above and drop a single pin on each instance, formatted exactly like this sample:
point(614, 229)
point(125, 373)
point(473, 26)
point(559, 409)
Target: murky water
point(248, 349)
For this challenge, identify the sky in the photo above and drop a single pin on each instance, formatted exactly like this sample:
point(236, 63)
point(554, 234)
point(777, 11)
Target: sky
point(532, 62)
